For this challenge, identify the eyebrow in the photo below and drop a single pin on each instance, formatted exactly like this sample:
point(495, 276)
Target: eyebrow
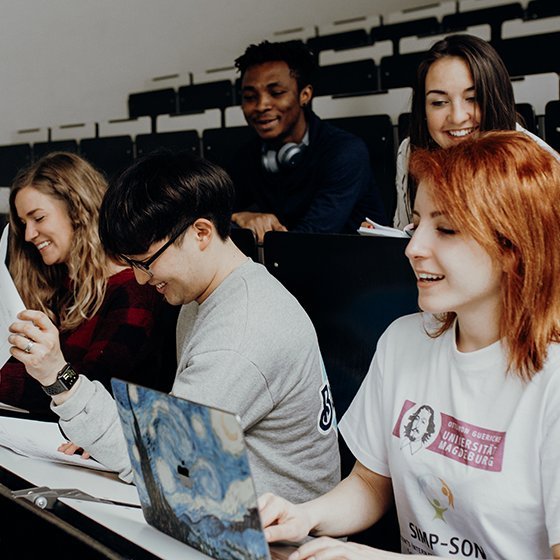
point(269, 85)
point(442, 92)
point(31, 212)
point(435, 214)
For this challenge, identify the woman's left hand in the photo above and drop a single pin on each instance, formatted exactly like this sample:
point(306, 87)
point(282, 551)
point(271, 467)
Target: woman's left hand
point(326, 548)
point(35, 342)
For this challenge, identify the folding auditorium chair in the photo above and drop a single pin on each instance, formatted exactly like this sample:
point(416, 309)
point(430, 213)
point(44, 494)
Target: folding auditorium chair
point(246, 241)
point(541, 9)
point(387, 102)
point(377, 133)
point(403, 126)
point(178, 141)
point(41, 149)
point(530, 54)
point(552, 124)
point(211, 118)
point(13, 157)
point(395, 31)
point(537, 90)
point(417, 44)
point(399, 70)
point(339, 41)
point(352, 288)
point(152, 103)
point(375, 52)
point(492, 15)
point(221, 145)
point(528, 116)
point(347, 77)
point(111, 154)
point(210, 95)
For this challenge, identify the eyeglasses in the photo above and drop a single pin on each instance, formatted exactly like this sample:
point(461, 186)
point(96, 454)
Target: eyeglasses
point(144, 265)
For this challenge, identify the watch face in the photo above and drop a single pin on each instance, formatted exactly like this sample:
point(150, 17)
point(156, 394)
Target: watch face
point(65, 381)
point(68, 377)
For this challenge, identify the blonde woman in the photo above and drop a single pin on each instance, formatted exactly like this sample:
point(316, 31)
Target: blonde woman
point(107, 322)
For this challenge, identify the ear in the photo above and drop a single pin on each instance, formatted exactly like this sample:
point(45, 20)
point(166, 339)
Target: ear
point(204, 231)
point(305, 95)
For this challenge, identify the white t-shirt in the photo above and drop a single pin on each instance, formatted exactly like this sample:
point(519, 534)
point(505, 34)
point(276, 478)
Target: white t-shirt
point(473, 452)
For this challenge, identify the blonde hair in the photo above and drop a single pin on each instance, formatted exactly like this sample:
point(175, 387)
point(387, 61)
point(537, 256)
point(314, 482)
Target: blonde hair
point(71, 179)
point(502, 189)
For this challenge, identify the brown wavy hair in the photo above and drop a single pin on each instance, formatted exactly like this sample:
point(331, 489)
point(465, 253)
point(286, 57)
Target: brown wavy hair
point(71, 179)
point(502, 189)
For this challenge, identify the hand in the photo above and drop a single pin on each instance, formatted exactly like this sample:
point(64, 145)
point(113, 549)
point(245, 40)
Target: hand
point(326, 548)
point(35, 342)
point(282, 520)
point(367, 225)
point(69, 448)
point(258, 222)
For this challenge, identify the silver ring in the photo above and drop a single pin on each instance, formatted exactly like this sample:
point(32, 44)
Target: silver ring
point(27, 349)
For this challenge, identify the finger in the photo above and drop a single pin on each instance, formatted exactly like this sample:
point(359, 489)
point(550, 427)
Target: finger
point(20, 343)
point(68, 448)
point(25, 329)
point(259, 232)
point(324, 548)
point(289, 531)
point(271, 508)
point(37, 317)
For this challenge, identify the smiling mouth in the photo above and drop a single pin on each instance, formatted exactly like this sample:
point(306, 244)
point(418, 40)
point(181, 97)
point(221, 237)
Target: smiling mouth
point(160, 286)
point(425, 277)
point(264, 123)
point(463, 133)
point(42, 245)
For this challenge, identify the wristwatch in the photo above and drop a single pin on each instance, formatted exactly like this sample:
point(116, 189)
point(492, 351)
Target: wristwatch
point(65, 380)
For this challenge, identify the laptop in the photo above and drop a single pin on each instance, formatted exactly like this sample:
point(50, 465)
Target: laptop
point(192, 472)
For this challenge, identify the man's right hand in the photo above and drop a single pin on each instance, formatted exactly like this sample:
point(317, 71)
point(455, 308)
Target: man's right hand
point(282, 520)
point(258, 222)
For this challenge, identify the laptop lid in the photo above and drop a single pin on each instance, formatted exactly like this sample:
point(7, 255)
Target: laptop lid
point(191, 469)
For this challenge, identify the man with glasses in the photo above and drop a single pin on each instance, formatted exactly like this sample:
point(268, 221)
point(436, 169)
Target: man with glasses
point(245, 344)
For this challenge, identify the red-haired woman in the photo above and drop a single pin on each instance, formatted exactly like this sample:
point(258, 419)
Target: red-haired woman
point(458, 419)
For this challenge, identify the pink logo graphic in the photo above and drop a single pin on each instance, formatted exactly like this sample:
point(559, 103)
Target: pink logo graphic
point(465, 443)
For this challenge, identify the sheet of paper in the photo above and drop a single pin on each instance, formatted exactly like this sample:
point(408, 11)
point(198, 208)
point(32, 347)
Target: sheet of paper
point(10, 300)
point(38, 472)
point(39, 440)
point(380, 230)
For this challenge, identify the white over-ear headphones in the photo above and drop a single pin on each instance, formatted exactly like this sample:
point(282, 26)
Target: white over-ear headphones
point(289, 155)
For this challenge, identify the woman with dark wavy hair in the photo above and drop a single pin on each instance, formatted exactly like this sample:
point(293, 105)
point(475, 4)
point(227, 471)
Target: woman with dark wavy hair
point(462, 88)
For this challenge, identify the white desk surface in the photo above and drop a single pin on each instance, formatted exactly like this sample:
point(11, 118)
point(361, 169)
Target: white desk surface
point(125, 521)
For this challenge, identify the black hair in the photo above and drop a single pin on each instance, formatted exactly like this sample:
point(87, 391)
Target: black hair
point(160, 194)
point(295, 54)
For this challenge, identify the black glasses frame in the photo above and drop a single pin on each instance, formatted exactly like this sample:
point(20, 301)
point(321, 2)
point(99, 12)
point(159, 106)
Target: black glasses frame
point(144, 265)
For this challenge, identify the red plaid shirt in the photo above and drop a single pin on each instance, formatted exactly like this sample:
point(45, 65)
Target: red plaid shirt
point(131, 337)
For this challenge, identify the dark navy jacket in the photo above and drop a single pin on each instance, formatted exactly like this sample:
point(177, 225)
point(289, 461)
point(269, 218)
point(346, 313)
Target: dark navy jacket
point(331, 190)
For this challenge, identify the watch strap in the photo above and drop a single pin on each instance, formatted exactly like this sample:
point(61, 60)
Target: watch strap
point(65, 379)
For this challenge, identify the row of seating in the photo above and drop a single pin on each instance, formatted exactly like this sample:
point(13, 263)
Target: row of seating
point(381, 133)
point(524, 55)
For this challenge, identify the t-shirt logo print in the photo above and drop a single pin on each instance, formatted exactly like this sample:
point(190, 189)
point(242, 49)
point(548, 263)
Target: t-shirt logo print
point(326, 414)
point(419, 429)
point(438, 494)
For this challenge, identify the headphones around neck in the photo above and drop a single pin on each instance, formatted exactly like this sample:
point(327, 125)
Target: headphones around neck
point(289, 155)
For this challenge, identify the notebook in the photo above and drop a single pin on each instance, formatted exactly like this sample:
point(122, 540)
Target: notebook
point(191, 469)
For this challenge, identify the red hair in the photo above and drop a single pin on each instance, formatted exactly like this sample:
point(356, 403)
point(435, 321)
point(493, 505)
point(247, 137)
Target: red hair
point(503, 190)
